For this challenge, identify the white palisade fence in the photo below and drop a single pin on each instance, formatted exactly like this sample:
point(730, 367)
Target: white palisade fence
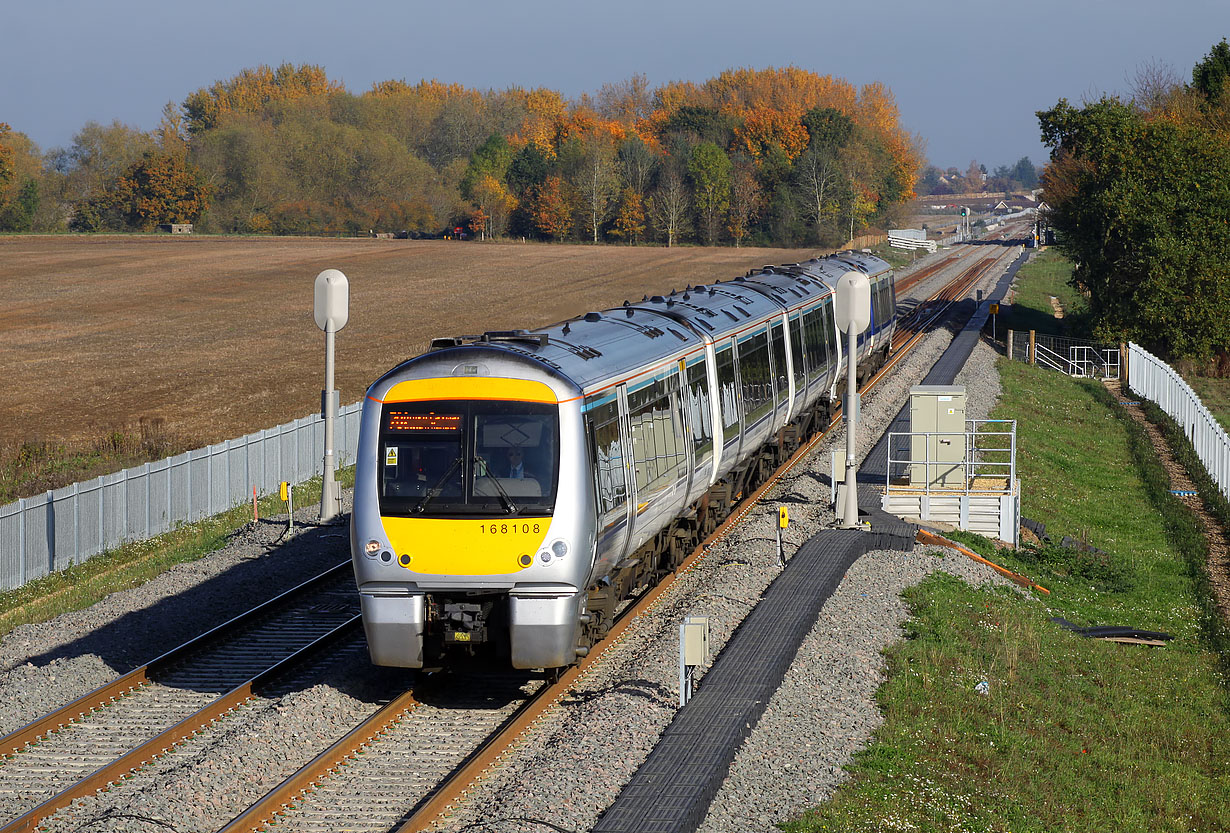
point(1152, 378)
point(65, 526)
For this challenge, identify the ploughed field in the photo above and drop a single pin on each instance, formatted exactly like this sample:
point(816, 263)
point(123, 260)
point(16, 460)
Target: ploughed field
point(212, 338)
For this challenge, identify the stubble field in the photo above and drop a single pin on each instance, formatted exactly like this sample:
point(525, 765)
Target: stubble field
point(212, 338)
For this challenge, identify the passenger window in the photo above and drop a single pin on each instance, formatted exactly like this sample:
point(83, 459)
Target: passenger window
point(756, 377)
point(729, 392)
point(612, 485)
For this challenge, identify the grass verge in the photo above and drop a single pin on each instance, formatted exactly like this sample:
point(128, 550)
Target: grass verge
point(1046, 275)
point(33, 466)
point(81, 585)
point(1075, 734)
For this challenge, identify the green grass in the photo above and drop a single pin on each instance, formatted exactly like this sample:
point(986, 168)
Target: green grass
point(1215, 394)
point(1076, 734)
point(83, 584)
point(1045, 275)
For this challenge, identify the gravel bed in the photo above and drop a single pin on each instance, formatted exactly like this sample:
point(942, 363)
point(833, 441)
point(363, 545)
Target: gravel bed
point(562, 775)
point(563, 772)
point(51, 663)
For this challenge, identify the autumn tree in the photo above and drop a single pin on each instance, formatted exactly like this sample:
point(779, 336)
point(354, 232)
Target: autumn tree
point(6, 156)
point(630, 216)
point(253, 89)
point(550, 208)
point(709, 171)
point(746, 200)
point(495, 203)
point(668, 206)
point(597, 183)
point(161, 188)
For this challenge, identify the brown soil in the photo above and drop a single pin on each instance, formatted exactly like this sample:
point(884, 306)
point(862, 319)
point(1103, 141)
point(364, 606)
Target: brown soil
point(1217, 537)
point(215, 336)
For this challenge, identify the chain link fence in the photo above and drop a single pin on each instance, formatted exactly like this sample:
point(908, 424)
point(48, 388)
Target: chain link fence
point(66, 526)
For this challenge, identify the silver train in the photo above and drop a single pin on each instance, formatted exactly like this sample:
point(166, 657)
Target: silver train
point(513, 488)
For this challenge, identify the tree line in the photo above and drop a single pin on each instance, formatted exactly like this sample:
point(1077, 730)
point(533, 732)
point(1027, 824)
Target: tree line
point(1139, 195)
point(933, 181)
point(776, 156)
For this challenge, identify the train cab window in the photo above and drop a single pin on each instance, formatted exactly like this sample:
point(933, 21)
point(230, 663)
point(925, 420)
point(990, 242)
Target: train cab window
point(468, 458)
point(755, 374)
point(729, 391)
point(781, 375)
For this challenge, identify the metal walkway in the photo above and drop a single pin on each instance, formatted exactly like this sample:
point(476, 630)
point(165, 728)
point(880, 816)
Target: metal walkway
point(673, 788)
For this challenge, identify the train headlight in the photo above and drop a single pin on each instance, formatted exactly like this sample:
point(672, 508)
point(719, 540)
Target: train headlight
point(560, 548)
point(544, 557)
point(372, 547)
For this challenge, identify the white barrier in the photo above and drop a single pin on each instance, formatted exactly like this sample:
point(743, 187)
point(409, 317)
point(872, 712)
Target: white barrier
point(1152, 378)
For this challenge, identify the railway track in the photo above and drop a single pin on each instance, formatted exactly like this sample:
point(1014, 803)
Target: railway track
point(102, 737)
point(408, 763)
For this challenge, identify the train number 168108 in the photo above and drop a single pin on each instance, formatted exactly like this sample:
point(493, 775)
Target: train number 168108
point(513, 528)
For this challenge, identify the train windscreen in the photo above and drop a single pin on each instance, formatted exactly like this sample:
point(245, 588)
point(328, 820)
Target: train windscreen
point(469, 458)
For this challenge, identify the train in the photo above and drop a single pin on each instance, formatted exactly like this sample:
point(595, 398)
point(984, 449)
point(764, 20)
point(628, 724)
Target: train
point(514, 488)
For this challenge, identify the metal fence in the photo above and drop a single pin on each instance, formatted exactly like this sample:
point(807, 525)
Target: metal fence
point(1075, 357)
point(66, 526)
point(1152, 378)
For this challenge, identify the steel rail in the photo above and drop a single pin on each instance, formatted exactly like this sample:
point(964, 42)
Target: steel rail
point(447, 793)
point(15, 741)
point(168, 739)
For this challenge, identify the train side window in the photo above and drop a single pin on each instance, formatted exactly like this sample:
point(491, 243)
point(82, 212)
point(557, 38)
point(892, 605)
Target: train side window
point(777, 341)
point(817, 344)
point(796, 349)
point(729, 392)
point(700, 411)
point(612, 484)
point(657, 434)
point(756, 376)
point(829, 327)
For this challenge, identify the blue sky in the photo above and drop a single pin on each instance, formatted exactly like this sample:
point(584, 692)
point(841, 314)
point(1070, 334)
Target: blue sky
point(967, 76)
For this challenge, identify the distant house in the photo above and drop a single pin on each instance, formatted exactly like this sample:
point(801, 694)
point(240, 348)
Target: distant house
point(176, 228)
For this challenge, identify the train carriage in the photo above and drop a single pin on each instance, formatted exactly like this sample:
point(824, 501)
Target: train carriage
point(512, 488)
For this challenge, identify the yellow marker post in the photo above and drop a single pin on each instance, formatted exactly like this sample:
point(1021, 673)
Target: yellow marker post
point(284, 492)
point(783, 520)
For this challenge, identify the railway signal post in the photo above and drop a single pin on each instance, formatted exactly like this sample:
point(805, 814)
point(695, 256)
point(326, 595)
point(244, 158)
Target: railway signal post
point(853, 311)
point(332, 310)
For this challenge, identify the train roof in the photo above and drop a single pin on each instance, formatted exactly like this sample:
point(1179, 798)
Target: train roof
point(597, 347)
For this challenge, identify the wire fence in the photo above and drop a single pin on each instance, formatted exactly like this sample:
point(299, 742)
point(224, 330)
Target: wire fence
point(65, 526)
point(1152, 378)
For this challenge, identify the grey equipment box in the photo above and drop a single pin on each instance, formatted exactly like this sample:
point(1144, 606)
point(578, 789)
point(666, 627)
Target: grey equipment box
point(937, 447)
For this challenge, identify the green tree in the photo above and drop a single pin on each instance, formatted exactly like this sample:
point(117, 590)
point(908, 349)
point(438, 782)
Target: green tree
point(709, 170)
point(491, 159)
point(1140, 205)
point(1209, 76)
point(18, 214)
point(828, 128)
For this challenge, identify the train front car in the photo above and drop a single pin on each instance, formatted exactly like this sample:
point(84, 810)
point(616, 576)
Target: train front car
point(469, 528)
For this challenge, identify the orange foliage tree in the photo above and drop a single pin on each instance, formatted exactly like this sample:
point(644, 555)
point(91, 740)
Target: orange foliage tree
point(252, 89)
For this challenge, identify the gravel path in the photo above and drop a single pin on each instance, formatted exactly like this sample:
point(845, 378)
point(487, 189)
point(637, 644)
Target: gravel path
point(563, 773)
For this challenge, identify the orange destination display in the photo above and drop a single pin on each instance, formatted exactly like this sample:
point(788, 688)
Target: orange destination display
point(409, 423)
